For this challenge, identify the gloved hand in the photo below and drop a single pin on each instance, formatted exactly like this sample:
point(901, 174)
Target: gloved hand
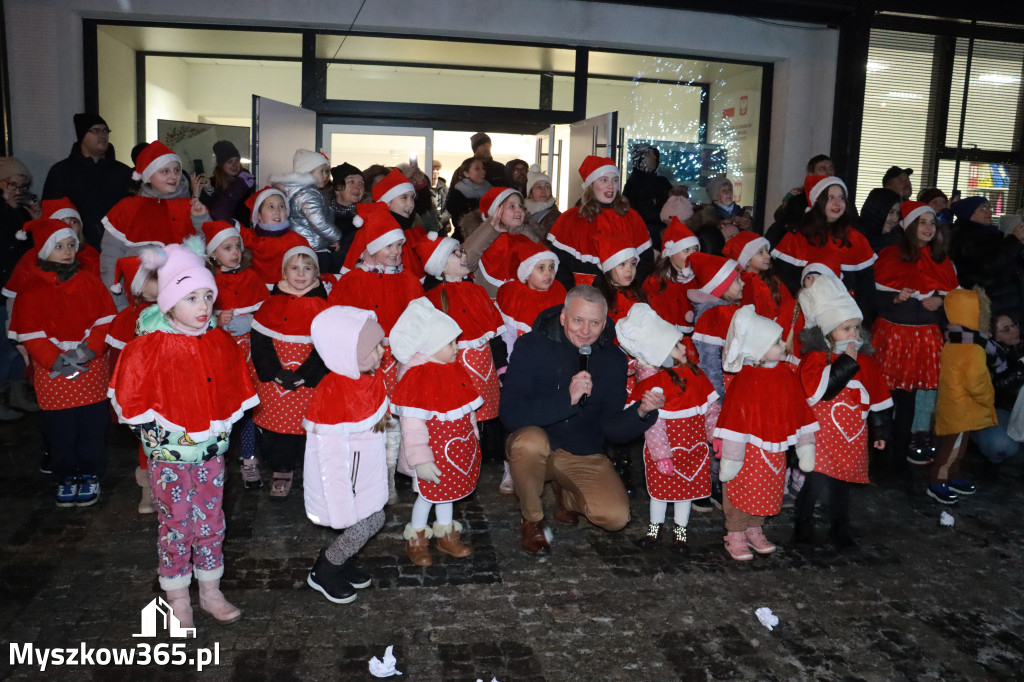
point(81, 355)
point(239, 324)
point(66, 367)
point(805, 453)
point(247, 178)
point(288, 380)
point(730, 467)
point(428, 471)
point(665, 466)
point(716, 445)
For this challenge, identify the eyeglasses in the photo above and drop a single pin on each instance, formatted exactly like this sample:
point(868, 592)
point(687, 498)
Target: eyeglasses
point(99, 131)
point(15, 187)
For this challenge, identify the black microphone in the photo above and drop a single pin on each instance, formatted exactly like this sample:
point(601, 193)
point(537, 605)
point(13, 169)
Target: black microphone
point(585, 352)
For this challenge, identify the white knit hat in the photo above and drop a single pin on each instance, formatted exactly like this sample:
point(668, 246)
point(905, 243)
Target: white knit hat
point(645, 336)
point(826, 304)
point(421, 328)
point(750, 337)
point(305, 161)
point(533, 176)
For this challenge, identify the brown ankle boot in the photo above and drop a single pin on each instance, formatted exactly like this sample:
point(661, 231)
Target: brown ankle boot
point(449, 540)
point(418, 545)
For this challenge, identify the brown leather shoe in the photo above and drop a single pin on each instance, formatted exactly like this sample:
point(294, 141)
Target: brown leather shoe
point(418, 546)
point(449, 540)
point(533, 539)
point(563, 513)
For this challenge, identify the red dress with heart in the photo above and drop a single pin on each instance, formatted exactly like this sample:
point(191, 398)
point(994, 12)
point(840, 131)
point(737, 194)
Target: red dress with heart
point(138, 221)
point(683, 414)
point(286, 319)
point(472, 309)
point(842, 443)
point(764, 408)
point(443, 396)
point(671, 302)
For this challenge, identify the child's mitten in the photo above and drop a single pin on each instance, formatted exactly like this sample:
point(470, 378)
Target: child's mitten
point(428, 471)
point(665, 466)
point(805, 454)
point(729, 469)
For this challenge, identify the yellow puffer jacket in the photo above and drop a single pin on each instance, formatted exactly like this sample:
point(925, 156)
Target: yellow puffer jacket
point(966, 399)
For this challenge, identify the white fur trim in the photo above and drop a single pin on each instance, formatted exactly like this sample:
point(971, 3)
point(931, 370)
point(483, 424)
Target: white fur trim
point(155, 165)
point(672, 248)
point(296, 250)
point(792, 260)
point(448, 416)
point(723, 274)
point(349, 427)
point(822, 386)
point(65, 213)
point(527, 266)
point(822, 185)
point(750, 250)
point(601, 171)
point(280, 337)
point(389, 237)
point(51, 242)
point(483, 271)
point(920, 210)
point(214, 427)
point(617, 258)
point(859, 266)
point(121, 237)
point(439, 258)
point(586, 258)
point(710, 340)
point(781, 446)
point(221, 237)
point(689, 412)
point(498, 201)
point(481, 341)
point(396, 191)
point(115, 343)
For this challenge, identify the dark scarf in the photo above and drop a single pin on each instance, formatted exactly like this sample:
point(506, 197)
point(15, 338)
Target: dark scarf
point(64, 271)
point(995, 355)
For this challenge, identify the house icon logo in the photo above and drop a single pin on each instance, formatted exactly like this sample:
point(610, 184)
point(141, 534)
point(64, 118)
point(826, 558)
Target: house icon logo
point(157, 615)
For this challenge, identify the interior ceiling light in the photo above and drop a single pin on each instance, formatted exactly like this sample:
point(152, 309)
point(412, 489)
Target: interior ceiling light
point(876, 66)
point(1000, 78)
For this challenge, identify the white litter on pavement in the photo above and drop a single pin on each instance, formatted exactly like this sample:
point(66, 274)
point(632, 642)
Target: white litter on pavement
point(946, 519)
point(385, 668)
point(769, 620)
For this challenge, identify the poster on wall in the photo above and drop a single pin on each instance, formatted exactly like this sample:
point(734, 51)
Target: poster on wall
point(193, 142)
point(736, 128)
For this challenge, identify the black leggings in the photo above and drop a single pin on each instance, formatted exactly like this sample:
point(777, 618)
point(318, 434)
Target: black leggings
point(811, 492)
point(281, 451)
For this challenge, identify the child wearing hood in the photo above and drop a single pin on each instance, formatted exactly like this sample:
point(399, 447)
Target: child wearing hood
point(308, 210)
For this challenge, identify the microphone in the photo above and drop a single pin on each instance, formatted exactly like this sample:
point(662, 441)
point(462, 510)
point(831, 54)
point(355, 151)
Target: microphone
point(585, 351)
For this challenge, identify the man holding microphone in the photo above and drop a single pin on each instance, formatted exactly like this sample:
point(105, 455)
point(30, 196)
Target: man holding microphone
point(561, 405)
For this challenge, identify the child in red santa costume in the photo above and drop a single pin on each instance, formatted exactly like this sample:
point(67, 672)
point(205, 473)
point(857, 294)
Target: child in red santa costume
point(602, 210)
point(287, 366)
point(756, 430)
point(271, 234)
point(61, 318)
point(399, 196)
point(240, 293)
point(180, 385)
point(437, 403)
point(482, 349)
point(761, 286)
point(850, 399)
point(676, 451)
point(617, 280)
point(501, 208)
point(163, 212)
point(672, 277)
point(346, 474)
point(379, 282)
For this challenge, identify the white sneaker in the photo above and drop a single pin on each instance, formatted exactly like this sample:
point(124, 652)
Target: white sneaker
point(507, 487)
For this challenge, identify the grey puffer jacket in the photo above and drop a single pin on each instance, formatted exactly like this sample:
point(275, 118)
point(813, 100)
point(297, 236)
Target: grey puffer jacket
point(308, 211)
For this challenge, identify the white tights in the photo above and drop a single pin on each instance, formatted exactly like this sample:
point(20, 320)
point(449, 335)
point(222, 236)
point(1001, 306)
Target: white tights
point(658, 510)
point(443, 512)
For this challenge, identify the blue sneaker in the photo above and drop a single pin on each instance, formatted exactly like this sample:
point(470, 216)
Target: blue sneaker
point(67, 492)
point(940, 492)
point(88, 491)
point(962, 487)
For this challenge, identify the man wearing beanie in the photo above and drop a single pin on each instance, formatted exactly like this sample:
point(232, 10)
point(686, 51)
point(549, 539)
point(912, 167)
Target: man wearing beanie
point(495, 172)
point(90, 176)
point(985, 257)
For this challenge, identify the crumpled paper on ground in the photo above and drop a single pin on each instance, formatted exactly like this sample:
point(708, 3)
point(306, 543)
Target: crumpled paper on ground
point(764, 614)
point(946, 519)
point(385, 668)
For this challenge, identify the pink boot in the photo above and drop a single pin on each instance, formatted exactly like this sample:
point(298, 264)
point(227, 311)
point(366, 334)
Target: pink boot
point(757, 541)
point(212, 600)
point(736, 546)
point(181, 605)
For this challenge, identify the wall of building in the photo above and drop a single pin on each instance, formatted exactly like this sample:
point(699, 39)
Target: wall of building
point(46, 57)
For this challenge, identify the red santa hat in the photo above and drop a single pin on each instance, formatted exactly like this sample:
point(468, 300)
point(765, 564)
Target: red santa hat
point(255, 202)
point(434, 251)
point(130, 270)
point(912, 210)
point(182, 272)
point(594, 167)
point(750, 336)
point(677, 238)
point(295, 251)
point(155, 156)
point(217, 232)
point(306, 161)
point(529, 255)
point(828, 266)
point(492, 201)
point(612, 251)
point(645, 336)
point(380, 227)
point(46, 232)
point(714, 273)
point(814, 185)
point(392, 186)
point(423, 329)
point(59, 209)
point(744, 246)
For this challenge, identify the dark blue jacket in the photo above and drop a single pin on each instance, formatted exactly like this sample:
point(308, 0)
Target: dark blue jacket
point(536, 390)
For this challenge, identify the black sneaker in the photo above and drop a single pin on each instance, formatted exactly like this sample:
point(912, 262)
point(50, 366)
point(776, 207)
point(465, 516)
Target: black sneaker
point(702, 506)
point(940, 492)
point(326, 579)
point(355, 576)
point(716, 494)
point(962, 487)
point(919, 456)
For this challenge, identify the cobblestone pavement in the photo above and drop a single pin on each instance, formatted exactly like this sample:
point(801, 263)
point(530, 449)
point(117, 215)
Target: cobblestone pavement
point(918, 602)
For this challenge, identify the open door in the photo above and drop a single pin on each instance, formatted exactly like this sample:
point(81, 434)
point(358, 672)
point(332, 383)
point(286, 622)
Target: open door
point(594, 136)
point(549, 156)
point(278, 129)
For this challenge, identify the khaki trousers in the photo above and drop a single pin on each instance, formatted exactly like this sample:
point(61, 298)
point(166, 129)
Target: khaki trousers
point(736, 520)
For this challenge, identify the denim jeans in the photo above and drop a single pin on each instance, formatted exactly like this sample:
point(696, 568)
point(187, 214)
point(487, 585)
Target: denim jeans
point(994, 442)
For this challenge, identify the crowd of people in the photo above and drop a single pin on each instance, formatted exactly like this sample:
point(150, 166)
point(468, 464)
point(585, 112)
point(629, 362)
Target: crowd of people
point(363, 324)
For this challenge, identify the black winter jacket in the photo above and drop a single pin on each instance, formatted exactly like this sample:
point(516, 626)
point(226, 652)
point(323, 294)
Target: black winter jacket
point(536, 390)
point(985, 257)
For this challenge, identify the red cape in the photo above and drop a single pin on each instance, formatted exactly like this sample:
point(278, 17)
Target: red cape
point(268, 252)
point(765, 407)
point(472, 309)
point(924, 275)
point(520, 305)
point(122, 329)
point(288, 318)
point(349, 405)
point(137, 221)
point(574, 234)
point(696, 398)
point(242, 292)
point(386, 295)
point(435, 390)
point(796, 250)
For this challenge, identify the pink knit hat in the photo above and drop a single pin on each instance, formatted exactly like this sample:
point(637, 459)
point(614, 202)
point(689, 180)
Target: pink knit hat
point(181, 273)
